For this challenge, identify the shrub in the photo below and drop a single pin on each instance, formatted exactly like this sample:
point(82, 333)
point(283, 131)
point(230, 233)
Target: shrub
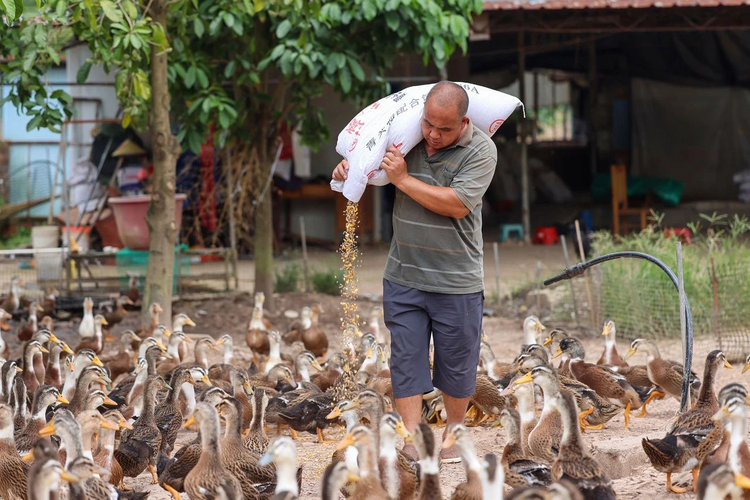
point(287, 279)
point(328, 281)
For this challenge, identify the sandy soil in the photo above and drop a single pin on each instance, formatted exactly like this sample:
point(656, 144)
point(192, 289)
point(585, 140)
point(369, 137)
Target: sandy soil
point(619, 449)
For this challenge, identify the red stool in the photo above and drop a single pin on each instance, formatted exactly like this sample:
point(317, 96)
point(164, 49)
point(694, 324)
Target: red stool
point(546, 235)
point(685, 235)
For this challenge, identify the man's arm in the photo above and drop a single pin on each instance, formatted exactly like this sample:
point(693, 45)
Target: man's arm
point(438, 199)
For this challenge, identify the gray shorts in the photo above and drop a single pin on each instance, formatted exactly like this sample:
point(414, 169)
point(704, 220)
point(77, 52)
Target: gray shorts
point(455, 323)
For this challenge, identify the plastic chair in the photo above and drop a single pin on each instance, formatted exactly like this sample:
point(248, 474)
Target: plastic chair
point(508, 230)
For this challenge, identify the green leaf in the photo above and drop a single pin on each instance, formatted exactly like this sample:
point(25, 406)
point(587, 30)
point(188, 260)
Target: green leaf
point(277, 51)
point(283, 29)
point(111, 11)
point(53, 54)
point(357, 70)
point(135, 40)
point(438, 45)
point(229, 69)
point(202, 78)
point(228, 19)
point(60, 9)
point(260, 5)
point(340, 60)
point(126, 120)
point(331, 65)
point(29, 59)
point(9, 7)
point(83, 72)
point(224, 120)
point(130, 10)
point(333, 12)
point(393, 20)
point(34, 123)
point(198, 27)
point(345, 79)
point(190, 77)
point(369, 9)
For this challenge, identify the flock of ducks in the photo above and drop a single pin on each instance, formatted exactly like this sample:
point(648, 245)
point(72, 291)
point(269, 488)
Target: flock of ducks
point(80, 422)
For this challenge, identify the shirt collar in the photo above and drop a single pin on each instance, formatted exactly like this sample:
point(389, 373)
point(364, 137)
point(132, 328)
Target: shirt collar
point(465, 139)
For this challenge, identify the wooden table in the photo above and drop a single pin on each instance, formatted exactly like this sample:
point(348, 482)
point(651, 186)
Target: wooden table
point(324, 192)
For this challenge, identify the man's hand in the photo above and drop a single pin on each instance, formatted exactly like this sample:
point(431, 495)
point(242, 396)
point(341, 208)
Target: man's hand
point(340, 173)
point(394, 165)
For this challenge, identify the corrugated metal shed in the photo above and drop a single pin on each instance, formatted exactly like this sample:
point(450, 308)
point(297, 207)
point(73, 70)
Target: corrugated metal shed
point(605, 4)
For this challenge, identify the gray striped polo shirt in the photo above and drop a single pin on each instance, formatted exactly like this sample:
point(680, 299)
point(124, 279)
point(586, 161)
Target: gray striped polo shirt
point(431, 252)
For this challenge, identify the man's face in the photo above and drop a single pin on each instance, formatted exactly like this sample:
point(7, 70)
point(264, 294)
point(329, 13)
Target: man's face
point(442, 126)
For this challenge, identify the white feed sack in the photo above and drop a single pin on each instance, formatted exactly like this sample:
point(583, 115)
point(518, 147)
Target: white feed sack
point(396, 120)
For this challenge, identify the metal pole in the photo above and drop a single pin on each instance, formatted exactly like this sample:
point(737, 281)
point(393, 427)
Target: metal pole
point(681, 291)
point(524, 150)
point(496, 252)
point(303, 237)
point(586, 277)
point(564, 244)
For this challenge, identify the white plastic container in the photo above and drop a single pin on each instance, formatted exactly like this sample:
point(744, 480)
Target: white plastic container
point(84, 242)
point(45, 237)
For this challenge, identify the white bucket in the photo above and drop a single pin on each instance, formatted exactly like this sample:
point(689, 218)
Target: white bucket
point(45, 237)
point(84, 242)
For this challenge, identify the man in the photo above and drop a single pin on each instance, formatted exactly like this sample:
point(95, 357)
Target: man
point(434, 277)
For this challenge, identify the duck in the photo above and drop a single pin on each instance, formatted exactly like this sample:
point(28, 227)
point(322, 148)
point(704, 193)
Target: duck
point(104, 455)
point(27, 329)
point(424, 441)
point(44, 479)
point(9, 372)
point(88, 376)
point(12, 302)
point(399, 473)
point(368, 487)
point(333, 369)
point(496, 370)
point(90, 483)
point(13, 484)
point(96, 342)
point(44, 397)
point(573, 463)
point(201, 349)
point(610, 357)
point(487, 400)
point(295, 329)
point(314, 338)
point(209, 478)
point(492, 476)
point(274, 351)
point(256, 439)
point(458, 435)
point(223, 371)
point(122, 361)
point(348, 455)
point(4, 349)
point(64, 425)
point(187, 399)
point(371, 403)
point(532, 329)
point(176, 339)
point(30, 350)
point(236, 457)
point(53, 374)
point(306, 413)
point(154, 310)
point(227, 343)
point(179, 322)
point(172, 472)
point(720, 481)
point(168, 415)
point(257, 336)
point(374, 325)
point(665, 374)
point(86, 330)
point(302, 363)
point(525, 471)
point(133, 293)
point(119, 312)
point(524, 394)
point(609, 385)
point(139, 448)
point(690, 440)
point(20, 407)
point(335, 477)
point(83, 358)
point(544, 440)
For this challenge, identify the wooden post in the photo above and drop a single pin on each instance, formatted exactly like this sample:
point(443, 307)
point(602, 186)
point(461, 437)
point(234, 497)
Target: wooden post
point(524, 147)
point(564, 245)
point(496, 252)
point(232, 227)
point(681, 290)
point(305, 268)
point(586, 276)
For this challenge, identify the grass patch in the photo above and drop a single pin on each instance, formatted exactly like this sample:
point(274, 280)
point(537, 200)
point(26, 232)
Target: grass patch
point(21, 238)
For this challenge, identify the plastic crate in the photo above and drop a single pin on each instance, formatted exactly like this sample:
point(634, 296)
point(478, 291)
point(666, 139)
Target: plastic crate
point(136, 261)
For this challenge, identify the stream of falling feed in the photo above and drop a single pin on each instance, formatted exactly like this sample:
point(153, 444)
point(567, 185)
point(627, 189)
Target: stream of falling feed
point(350, 320)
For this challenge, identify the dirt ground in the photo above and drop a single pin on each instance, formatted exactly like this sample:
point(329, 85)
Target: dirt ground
point(618, 449)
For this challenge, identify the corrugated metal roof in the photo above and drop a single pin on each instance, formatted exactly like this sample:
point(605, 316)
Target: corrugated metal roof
point(605, 4)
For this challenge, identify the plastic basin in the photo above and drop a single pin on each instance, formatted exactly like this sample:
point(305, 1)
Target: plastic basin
point(130, 216)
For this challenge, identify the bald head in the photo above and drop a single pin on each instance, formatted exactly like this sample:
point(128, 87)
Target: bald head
point(449, 95)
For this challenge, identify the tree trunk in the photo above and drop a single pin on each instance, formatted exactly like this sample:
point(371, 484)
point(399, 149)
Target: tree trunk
point(264, 236)
point(160, 217)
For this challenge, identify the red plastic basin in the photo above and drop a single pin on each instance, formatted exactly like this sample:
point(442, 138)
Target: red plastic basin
point(130, 215)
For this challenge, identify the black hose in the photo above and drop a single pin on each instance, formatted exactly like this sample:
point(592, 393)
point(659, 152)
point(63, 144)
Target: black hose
point(578, 270)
